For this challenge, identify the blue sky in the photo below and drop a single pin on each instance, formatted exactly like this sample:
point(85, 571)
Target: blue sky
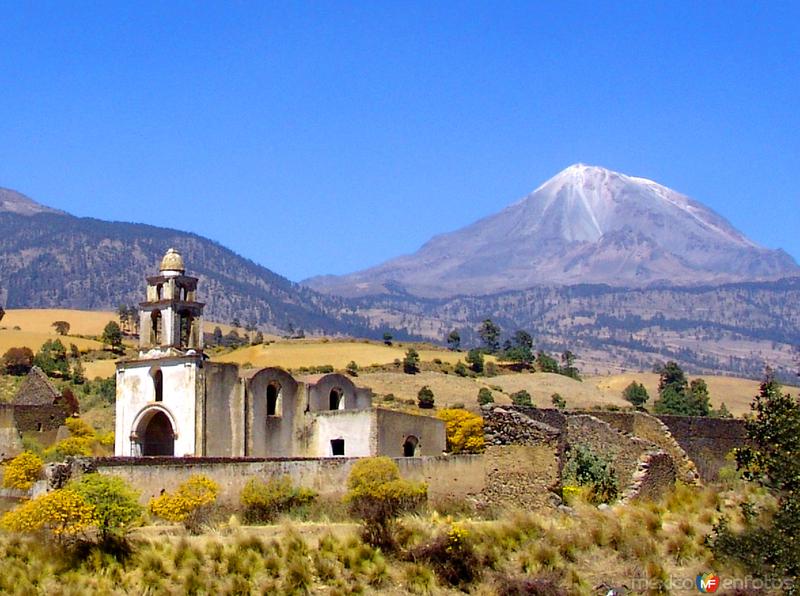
point(324, 137)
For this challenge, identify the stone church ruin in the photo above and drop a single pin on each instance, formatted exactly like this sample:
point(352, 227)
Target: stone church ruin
point(172, 400)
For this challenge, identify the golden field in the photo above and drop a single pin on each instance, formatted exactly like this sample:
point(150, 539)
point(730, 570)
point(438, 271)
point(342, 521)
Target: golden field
point(36, 328)
point(315, 352)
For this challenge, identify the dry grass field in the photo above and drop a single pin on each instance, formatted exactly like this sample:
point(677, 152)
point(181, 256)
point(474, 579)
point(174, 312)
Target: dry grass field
point(449, 389)
point(736, 393)
point(37, 320)
point(315, 352)
point(33, 340)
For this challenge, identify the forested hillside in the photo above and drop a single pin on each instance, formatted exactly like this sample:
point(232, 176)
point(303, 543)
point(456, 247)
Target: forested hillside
point(55, 260)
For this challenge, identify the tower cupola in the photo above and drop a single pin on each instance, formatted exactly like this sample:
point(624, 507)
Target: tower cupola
point(171, 317)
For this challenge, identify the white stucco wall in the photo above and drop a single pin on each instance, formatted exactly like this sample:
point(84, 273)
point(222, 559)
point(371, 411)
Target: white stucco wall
point(136, 393)
point(357, 428)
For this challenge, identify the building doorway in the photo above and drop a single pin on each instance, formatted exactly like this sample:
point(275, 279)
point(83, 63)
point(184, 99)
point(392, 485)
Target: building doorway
point(410, 446)
point(157, 436)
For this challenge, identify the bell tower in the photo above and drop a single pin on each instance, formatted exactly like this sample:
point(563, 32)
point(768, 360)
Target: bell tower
point(161, 394)
point(171, 317)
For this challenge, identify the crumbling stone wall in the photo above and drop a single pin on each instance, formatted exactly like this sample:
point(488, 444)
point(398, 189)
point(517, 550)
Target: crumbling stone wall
point(707, 441)
point(39, 418)
point(602, 438)
point(523, 459)
point(652, 429)
point(655, 474)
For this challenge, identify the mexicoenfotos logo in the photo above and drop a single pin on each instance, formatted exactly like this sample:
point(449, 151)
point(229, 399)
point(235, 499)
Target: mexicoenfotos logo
point(707, 583)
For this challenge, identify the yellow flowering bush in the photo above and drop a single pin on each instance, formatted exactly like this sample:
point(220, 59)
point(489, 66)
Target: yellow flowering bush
point(189, 502)
point(75, 446)
point(378, 495)
point(22, 471)
point(63, 512)
point(79, 428)
point(464, 431)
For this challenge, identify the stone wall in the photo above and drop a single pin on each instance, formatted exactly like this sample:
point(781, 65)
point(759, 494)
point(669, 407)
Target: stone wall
point(602, 438)
point(454, 476)
point(39, 418)
point(655, 474)
point(707, 441)
point(651, 429)
point(394, 428)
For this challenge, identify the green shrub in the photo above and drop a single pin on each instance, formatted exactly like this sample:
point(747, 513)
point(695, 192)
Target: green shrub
point(425, 398)
point(263, 501)
point(521, 398)
point(586, 468)
point(115, 502)
point(485, 396)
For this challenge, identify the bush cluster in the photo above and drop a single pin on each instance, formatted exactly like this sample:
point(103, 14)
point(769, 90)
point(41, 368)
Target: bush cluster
point(22, 471)
point(263, 501)
point(464, 431)
point(190, 504)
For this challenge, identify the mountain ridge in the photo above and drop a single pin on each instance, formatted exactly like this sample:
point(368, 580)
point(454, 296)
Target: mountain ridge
point(586, 224)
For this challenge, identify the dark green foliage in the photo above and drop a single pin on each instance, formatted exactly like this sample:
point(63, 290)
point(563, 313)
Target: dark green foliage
point(387, 338)
point(17, 361)
point(105, 390)
point(558, 401)
point(636, 394)
point(676, 396)
point(485, 396)
point(411, 362)
point(112, 335)
point(475, 360)
point(216, 337)
point(78, 375)
point(61, 327)
point(721, 412)
point(258, 339)
point(454, 340)
point(672, 375)
point(546, 363)
point(568, 367)
point(460, 369)
point(769, 548)
point(425, 398)
point(352, 368)
point(587, 468)
point(521, 398)
point(489, 333)
point(52, 359)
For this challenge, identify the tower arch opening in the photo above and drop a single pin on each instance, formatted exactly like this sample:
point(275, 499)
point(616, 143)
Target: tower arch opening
point(273, 399)
point(335, 399)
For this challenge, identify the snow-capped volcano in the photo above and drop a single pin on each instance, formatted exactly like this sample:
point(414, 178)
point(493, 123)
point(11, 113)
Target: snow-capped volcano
point(585, 225)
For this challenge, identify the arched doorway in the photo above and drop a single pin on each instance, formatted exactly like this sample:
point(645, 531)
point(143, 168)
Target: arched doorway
point(410, 446)
point(157, 436)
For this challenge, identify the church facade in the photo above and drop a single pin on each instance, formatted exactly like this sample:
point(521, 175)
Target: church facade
point(172, 400)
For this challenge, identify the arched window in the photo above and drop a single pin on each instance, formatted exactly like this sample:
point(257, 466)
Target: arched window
point(335, 399)
point(158, 385)
point(273, 392)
